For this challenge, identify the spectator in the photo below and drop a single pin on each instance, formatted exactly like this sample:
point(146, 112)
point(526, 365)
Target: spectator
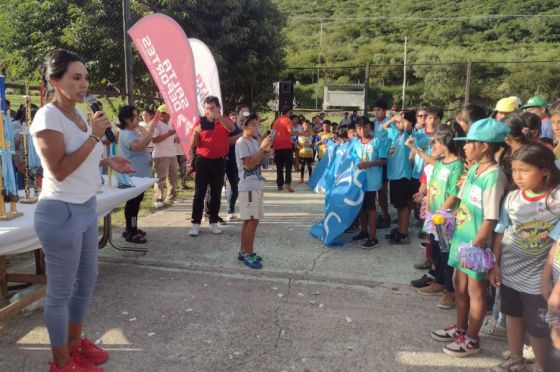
point(232, 173)
point(210, 137)
point(147, 116)
point(283, 156)
point(133, 142)
point(165, 159)
point(537, 105)
point(346, 120)
point(504, 107)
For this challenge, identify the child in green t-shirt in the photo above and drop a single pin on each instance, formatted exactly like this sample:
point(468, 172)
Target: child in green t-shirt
point(442, 193)
point(476, 218)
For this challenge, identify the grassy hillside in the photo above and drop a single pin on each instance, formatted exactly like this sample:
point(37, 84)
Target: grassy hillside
point(436, 33)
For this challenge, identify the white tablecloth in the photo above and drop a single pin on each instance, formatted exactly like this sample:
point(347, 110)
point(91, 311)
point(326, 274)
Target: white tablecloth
point(18, 235)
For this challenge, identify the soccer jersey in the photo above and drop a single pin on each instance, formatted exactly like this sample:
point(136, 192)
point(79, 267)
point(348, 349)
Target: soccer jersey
point(480, 200)
point(371, 151)
point(443, 183)
point(398, 164)
point(526, 223)
point(322, 146)
point(423, 141)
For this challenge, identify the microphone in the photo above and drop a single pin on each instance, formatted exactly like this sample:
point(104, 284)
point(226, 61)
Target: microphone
point(94, 105)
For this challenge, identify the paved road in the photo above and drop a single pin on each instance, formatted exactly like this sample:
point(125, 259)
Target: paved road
point(188, 305)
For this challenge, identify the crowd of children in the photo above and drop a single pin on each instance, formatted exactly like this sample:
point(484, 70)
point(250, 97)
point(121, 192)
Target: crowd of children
point(495, 179)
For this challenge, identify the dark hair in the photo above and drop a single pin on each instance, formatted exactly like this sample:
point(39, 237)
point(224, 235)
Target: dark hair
point(433, 111)
point(532, 121)
point(305, 121)
point(328, 122)
point(285, 109)
point(352, 126)
point(445, 135)
point(150, 111)
point(212, 99)
point(242, 106)
point(381, 104)
point(8, 102)
point(362, 120)
point(540, 157)
point(342, 132)
point(410, 115)
point(470, 113)
point(126, 112)
point(516, 129)
point(56, 63)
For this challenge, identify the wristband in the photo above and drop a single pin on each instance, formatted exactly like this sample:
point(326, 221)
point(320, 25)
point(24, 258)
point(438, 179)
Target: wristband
point(95, 138)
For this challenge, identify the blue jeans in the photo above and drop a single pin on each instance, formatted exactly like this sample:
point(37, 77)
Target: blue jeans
point(68, 234)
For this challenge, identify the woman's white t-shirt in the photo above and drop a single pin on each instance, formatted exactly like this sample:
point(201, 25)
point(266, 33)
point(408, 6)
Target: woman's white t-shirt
point(85, 181)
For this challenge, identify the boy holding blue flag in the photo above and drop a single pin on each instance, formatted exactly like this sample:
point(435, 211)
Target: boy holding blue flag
point(373, 157)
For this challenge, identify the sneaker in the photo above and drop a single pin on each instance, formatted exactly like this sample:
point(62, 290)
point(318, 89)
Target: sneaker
point(424, 281)
point(195, 229)
point(90, 351)
point(361, 236)
point(393, 233)
point(463, 346)
point(491, 329)
point(434, 289)
point(425, 265)
point(158, 204)
point(241, 256)
point(446, 301)
point(370, 243)
point(447, 334)
point(510, 364)
point(400, 239)
point(528, 354)
point(221, 221)
point(289, 188)
point(214, 229)
point(383, 223)
point(232, 217)
point(74, 365)
point(252, 262)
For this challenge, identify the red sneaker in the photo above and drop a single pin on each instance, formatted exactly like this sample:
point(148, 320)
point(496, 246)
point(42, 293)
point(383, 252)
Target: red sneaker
point(75, 365)
point(90, 351)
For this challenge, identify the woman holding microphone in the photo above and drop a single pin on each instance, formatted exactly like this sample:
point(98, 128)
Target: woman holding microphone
point(65, 218)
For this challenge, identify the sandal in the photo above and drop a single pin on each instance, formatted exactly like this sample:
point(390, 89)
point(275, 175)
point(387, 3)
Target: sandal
point(137, 238)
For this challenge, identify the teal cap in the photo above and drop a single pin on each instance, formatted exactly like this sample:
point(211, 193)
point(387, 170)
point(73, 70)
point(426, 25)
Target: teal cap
point(486, 130)
point(535, 102)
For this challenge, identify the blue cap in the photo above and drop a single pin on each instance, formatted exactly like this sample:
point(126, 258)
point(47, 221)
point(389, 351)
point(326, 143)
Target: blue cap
point(486, 130)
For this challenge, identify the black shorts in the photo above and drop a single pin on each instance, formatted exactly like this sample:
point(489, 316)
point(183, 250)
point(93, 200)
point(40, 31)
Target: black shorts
point(532, 308)
point(402, 191)
point(369, 200)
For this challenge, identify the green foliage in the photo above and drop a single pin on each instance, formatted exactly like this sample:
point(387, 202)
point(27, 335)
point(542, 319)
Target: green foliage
point(244, 36)
point(353, 42)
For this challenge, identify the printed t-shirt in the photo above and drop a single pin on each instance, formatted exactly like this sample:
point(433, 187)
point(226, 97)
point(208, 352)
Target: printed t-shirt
point(371, 151)
point(423, 141)
point(526, 223)
point(322, 147)
point(398, 164)
point(249, 179)
point(480, 200)
point(443, 183)
point(305, 147)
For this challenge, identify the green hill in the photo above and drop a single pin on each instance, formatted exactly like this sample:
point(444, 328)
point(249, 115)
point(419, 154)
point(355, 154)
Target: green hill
point(356, 32)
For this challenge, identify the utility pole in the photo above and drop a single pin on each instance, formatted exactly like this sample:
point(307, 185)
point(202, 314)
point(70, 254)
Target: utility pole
point(404, 74)
point(319, 66)
point(468, 82)
point(127, 53)
point(366, 91)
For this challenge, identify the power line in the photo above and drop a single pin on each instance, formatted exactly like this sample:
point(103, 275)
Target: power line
point(416, 18)
point(412, 64)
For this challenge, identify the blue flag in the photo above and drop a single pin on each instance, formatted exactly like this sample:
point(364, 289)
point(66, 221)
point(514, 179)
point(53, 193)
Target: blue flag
point(317, 181)
point(343, 199)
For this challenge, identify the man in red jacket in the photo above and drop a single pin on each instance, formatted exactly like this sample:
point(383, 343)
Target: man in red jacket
point(283, 154)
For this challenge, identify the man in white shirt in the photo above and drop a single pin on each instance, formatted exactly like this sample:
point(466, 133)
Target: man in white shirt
point(165, 160)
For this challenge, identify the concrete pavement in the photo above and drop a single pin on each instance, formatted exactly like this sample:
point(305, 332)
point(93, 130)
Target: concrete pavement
point(189, 305)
